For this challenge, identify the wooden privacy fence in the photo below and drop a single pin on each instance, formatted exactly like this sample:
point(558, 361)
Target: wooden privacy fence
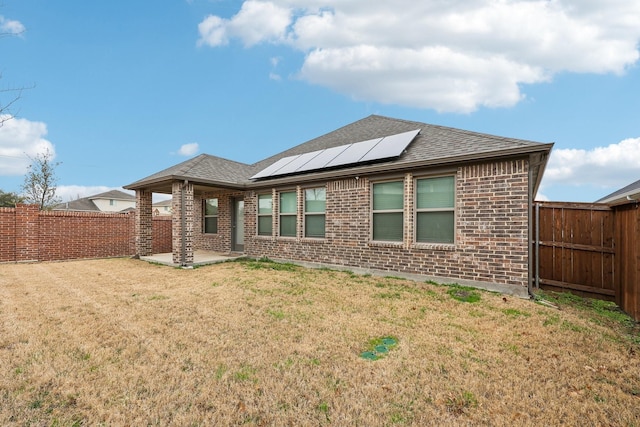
point(589, 249)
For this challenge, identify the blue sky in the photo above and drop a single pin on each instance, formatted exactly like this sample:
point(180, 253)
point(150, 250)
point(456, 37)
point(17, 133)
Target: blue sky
point(120, 90)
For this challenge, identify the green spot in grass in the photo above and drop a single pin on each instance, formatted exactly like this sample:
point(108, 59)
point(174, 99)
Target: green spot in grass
point(464, 294)
point(460, 403)
point(513, 312)
point(277, 314)
point(389, 295)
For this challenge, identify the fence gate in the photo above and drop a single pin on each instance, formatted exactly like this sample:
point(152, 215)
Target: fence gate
point(574, 248)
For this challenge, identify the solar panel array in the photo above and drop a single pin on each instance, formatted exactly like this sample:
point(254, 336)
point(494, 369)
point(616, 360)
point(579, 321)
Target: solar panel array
point(349, 154)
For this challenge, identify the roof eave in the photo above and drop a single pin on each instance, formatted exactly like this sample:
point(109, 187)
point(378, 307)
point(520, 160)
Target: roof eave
point(632, 196)
point(168, 180)
point(394, 167)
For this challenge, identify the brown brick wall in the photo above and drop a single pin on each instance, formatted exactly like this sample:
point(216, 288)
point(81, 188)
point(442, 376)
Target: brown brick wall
point(220, 242)
point(491, 229)
point(161, 234)
point(183, 193)
point(84, 235)
point(7, 234)
point(143, 223)
point(27, 234)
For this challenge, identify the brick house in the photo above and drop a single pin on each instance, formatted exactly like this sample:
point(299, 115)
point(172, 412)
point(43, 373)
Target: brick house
point(380, 194)
point(110, 201)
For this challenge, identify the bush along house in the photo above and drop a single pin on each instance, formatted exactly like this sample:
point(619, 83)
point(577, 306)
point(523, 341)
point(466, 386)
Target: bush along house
point(380, 195)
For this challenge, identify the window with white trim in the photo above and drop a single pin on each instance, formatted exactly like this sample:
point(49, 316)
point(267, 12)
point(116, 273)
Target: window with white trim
point(210, 216)
point(388, 211)
point(435, 209)
point(315, 200)
point(265, 214)
point(288, 210)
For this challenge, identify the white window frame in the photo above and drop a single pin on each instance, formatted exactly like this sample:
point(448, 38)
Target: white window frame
point(387, 211)
point(426, 210)
point(287, 214)
point(205, 216)
point(259, 215)
point(307, 214)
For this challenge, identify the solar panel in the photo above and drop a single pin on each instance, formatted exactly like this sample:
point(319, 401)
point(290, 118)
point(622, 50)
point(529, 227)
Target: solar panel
point(321, 160)
point(271, 170)
point(353, 153)
point(348, 154)
point(297, 163)
point(390, 146)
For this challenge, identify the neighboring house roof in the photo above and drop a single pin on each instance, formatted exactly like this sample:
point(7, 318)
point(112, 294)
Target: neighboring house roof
point(87, 204)
point(83, 204)
point(113, 195)
point(433, 146)
point(163, 203)
point(628, 194)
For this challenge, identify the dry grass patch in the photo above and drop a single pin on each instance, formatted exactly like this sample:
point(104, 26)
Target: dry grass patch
point(123, 342)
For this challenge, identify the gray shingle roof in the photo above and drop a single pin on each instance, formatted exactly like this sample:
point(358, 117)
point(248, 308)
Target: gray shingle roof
point(87, 204)
point(163, 203)
point(203, 168)
point(83, 205)
point(113, 194)
point(435, 145)
point(632, 190)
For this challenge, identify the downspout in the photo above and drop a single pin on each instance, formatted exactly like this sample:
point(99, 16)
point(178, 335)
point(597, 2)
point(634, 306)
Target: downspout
point(530, 228)
point(534, 246)
point(183, 225)
point(537, 246)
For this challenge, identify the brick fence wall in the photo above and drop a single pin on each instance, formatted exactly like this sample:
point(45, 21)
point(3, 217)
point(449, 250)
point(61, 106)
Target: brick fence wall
point(28, 234)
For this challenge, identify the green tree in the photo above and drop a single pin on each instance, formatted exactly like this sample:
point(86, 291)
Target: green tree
point(9, 199)
point(39, 185)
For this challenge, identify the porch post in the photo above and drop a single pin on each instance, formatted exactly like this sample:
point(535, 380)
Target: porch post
point(144, 223)
point(182, 222)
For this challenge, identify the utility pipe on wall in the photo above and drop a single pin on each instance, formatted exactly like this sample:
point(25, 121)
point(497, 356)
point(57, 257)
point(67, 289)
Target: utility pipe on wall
point(183, 225)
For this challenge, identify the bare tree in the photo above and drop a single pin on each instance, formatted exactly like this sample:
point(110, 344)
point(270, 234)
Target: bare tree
point(12, 95)
point(5, 107)
point(39, 185)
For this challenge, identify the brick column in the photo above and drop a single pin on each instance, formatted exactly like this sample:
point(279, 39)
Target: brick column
point(182, 222)
point(27, 232)
point(409, 226)
point(144, 223)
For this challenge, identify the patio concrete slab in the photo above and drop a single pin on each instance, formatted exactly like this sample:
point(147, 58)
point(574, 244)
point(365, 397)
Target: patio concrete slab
point(199, 258)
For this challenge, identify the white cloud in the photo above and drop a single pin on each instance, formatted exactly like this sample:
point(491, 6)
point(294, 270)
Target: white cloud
point(448, 56)
point(8, 26)
point(257, 21)
point(189, 149)
point(609, 167)
point(20, 140)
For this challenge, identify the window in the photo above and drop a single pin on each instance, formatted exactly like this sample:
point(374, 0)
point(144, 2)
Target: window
point(265, 214)
point(112, 202)
point(435, 210)
point(315, 200)
point(288, 214)
point(388, 219)
point(211, 216)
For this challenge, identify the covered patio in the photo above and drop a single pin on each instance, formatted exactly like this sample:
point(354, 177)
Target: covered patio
point(193, 184)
